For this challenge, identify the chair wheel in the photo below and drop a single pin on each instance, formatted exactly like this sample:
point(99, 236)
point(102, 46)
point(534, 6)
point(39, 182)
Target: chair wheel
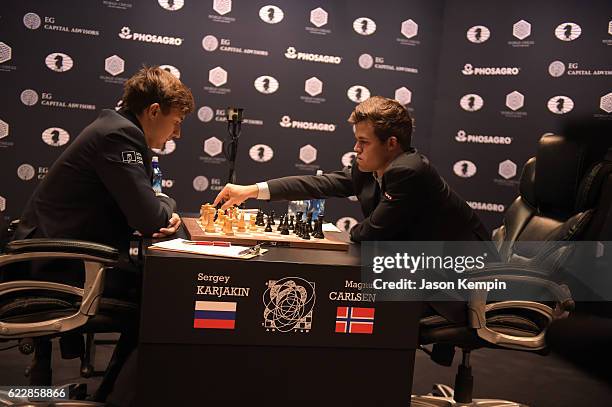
point(26, 346)
point(87, 371)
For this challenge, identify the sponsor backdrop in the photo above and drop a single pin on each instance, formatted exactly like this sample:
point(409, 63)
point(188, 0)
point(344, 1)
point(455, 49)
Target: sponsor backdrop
point(297, 68)
point(483, 83)
point(509, 73)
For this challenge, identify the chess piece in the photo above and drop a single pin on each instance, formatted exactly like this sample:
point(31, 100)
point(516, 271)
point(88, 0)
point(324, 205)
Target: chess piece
point(291, 227)
point(309, 223)
point(305, 233)
point(260, 219)
point(281, 223)
point(210, 224)
point(272, 214)
point(252, 223)
point(228, 229)
point(268, 225)
point(241, 223)
point(318, 234)
point(285, 226)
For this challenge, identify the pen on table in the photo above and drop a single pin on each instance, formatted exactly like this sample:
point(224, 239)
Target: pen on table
point(207, 243)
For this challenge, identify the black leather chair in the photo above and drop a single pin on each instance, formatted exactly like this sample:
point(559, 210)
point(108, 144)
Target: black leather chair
point(565, 196)
point(34, 312)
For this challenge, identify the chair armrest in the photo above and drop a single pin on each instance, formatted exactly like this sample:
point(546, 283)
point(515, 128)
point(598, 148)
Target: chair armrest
point(63, 246)
point(97, 259)
point(478, 307)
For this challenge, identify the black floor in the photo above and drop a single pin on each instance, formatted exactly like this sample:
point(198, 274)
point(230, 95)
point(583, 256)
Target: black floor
point(539, 381)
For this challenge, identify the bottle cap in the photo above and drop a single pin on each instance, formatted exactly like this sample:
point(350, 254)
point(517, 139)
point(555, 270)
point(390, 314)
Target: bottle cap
point(154, 159)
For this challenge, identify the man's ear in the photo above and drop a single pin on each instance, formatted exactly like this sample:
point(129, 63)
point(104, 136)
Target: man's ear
point(154, 109)
point(392, 142)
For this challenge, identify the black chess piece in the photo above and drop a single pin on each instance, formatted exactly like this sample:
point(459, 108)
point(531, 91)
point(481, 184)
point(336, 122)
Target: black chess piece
point(318, 234)
point(285, 226)
point(280, 223)
point(309, 223)
point(299, 216)
point(259, 219)
point(291, 227)
point(298, 229)
point(272, 214)
point(268, 225)
point(305, 234)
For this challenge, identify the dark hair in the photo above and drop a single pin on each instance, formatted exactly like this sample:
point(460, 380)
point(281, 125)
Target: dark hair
point(156, 85)
point(388, 117)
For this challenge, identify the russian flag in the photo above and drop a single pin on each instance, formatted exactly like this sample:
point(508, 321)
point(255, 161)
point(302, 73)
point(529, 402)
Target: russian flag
point(355, 320)
point(214, 315)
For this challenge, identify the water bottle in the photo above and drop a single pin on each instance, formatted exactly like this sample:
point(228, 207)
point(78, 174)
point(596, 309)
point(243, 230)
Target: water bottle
point(157, 175)
point(316, 206)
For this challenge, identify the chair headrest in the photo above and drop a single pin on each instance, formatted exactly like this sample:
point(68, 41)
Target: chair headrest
point(559, 169)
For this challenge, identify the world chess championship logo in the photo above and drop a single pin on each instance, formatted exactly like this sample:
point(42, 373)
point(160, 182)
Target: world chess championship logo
point(289, 304)
point(59, 62)
point(172, 69)
point(568, 31)
point(478, 34)
point(55, 136)
point(271, 14)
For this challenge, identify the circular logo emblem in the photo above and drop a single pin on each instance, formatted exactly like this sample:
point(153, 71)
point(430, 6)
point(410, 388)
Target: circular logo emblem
point(478, 34)
point(200, 183)
point(568, 31)
point(364, 26)
point(171, 5)
point(271, 14)
point(29, 97)
point(266, 84)
point(210, 43)
point(366, 61)
point(25, 172)
point(261, 153)
point(358, 93)
point(464, 169)
point(556, 68)
point(31, 21)
point(55, 136)
point(347, 158)
point(59, 62)
point(173, 70)
point(205, 114)
point(471, 102)
point(168, 148)
point(346, 223)
point(560, 104)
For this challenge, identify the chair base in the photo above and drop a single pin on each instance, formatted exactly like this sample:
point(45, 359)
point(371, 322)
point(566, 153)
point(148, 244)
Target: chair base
point(442, 396)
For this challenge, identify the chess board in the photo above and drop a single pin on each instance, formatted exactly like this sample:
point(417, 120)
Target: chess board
point(274, 238)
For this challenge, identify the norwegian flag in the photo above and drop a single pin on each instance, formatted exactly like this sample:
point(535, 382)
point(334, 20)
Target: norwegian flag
point(354, 320)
